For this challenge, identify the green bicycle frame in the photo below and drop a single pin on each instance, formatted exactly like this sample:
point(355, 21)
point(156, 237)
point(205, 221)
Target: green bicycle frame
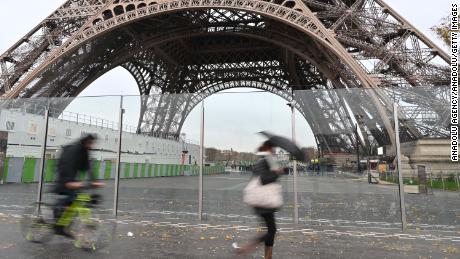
point(76, 208)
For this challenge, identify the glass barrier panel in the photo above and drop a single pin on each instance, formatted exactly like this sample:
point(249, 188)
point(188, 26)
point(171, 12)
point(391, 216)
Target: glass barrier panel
point(340, 182)
point(233, 120)
point(159, 159)
point(22, 131)
point(71, 121)
point(430, 178)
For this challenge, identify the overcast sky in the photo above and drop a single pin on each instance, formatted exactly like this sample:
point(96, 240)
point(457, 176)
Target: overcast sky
point(232, 119)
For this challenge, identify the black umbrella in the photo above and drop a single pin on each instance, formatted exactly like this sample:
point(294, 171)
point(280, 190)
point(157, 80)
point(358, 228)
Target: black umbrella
point(285, 144)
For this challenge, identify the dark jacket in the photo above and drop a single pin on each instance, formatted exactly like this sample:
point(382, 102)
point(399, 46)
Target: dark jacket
point(262, 169)
point(74, 158)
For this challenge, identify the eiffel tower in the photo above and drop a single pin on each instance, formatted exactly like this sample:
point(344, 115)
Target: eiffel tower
point(199, 47)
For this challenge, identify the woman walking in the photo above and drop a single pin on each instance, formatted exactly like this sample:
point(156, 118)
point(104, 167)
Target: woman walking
point(263, 193)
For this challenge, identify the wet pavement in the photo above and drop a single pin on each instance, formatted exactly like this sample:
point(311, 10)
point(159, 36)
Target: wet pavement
point(323, 200)
point(340, 217)
point(195, 240)
point(175, 239)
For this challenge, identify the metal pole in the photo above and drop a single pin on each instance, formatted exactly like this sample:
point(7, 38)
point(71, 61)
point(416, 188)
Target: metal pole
point(117, 169)
point(43, 157)
point(200, 178)
point(400, 176)
point(357, 149)
point(456, 181)
point(296, 201)
point(442, 180)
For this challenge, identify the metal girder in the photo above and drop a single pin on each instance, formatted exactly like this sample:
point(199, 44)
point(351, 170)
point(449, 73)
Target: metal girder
point(77, 9)
point(371, 30)
point(189, 49)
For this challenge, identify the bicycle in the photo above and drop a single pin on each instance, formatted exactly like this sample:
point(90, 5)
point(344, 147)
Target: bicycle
point(38, 222)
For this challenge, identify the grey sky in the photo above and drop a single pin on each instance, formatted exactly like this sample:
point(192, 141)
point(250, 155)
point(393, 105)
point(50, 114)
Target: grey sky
point(231, 119)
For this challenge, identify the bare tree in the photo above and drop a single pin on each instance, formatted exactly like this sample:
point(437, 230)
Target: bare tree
point(443, 30)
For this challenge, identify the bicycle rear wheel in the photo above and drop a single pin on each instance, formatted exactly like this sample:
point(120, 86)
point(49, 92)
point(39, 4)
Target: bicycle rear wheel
point(37, 223)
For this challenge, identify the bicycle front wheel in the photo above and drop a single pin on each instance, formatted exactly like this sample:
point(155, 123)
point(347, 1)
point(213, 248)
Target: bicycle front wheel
point(37, 223)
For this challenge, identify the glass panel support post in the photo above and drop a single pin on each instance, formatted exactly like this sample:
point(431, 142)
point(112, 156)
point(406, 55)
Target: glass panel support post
point(200, 177)
point(118, 165)
point(400, 176)
point(43, 159)
point(296, 201)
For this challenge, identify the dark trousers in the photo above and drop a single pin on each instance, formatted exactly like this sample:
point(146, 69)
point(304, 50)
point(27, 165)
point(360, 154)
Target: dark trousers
point(269, 237)
point(61, 203)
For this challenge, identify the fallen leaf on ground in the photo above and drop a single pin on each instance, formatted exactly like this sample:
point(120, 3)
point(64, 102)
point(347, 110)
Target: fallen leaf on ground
point(452, 250)
point(6, 246)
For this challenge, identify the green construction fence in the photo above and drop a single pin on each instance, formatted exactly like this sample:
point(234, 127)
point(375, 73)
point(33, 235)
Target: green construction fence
point(26, 170)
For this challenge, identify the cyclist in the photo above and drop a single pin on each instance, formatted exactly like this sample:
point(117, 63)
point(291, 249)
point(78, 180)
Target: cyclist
point(74, 158)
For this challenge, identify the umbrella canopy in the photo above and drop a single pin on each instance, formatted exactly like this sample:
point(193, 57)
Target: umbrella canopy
point(285, 144)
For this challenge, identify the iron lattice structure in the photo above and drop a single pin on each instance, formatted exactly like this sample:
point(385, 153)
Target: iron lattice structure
point(201, 47)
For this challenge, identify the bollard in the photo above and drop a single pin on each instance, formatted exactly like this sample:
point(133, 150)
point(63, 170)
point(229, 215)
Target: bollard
point(456, 179)
point(442, 180)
